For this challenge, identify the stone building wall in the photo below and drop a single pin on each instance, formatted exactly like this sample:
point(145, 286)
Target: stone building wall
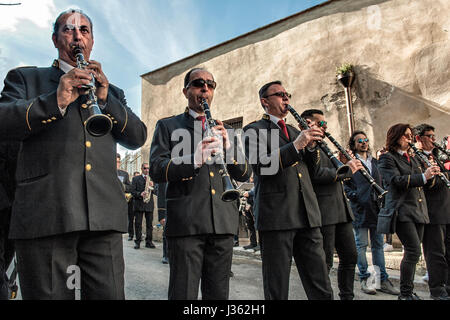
point(400, 50)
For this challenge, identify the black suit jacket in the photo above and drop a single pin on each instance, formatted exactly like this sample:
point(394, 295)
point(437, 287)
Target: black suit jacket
point(193, 196)
point(284, 196)
point(138, 186)
point(438, 198)
point(329, 188)
point(400, 177)
point(8, 159)
point(160, 189)
point(362, 197)
point(66, 178)
point(125, 179)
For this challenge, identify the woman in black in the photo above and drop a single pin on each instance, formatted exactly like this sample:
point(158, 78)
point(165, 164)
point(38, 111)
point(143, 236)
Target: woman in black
point(404, 179)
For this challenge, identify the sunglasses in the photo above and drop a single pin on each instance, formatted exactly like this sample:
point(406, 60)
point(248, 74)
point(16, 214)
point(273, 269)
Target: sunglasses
point(431, 136)
point(363, 140)
point(146, 168)
point(280, 94)
point(408, 136)
point(322, 123)
point(200, 83)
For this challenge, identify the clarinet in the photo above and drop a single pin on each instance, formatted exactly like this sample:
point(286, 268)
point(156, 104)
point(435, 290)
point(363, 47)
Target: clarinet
point(365, 171)
point(97, 123)
point(427, 162)
point(230, 192)
point(340, 167)
point(442, 149)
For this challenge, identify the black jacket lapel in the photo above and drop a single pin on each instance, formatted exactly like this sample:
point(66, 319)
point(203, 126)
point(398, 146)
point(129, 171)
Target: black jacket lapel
point(56, 74)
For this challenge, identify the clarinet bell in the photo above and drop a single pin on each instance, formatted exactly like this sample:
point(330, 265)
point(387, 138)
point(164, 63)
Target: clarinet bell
point(380, 191)
point(230, 193)
point(98, 125)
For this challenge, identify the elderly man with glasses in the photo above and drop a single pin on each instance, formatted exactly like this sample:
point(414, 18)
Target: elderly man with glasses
point(68, 213)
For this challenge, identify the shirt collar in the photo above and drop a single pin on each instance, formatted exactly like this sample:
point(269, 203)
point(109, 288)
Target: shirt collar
point(368, 159)
point(273, 118)
point(64, 66)
point(193, 113)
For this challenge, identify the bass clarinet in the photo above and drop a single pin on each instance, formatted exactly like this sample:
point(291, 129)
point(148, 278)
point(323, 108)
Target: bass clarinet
point(340, 167)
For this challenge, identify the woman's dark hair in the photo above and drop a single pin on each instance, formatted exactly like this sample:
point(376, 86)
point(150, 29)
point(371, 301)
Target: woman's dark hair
point(394, 134)
point(351, 141)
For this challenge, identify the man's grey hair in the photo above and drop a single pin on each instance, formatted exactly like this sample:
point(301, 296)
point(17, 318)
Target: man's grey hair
point(56, 25)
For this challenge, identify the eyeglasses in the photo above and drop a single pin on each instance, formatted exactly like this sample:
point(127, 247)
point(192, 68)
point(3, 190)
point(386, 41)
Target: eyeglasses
point(363, 140)
point(322, 123)
point(200, 83)
point(280, 94)
point(431, 136)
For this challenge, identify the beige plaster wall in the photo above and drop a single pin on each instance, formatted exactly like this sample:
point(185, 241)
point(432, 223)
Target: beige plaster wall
point(400, 49)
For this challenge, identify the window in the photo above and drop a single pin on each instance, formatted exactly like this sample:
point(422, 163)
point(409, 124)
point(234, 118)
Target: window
point(235, 123)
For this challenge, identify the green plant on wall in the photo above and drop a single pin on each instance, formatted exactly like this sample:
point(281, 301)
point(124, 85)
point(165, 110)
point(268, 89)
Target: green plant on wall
point(344, 68)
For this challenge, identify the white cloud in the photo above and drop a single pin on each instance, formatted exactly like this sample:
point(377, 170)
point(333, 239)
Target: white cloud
point(154, 32)
point(41, 13)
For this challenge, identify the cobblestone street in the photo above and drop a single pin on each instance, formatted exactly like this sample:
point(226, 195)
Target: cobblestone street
point(146, 278)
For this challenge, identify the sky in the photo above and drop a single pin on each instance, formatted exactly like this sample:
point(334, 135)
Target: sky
point(134, 37)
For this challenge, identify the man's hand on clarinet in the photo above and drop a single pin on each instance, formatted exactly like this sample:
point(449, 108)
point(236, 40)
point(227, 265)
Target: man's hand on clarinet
point(206, 148)
point(69, 86)
point(220, 130)
point(102, 83)
point(308, 137)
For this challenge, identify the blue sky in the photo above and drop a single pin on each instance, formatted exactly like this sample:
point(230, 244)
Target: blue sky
point(134, 37)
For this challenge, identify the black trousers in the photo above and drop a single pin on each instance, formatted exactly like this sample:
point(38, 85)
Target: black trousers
point(306, 246)
point(250, 222)
point(205, 258)
point(165, 253)
point(130, 219)
point(138, 216)
point(436, 249)
point(341, 237)
point(410, 235)
point(6, 251)
point(43, 264)
point(389, 238)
